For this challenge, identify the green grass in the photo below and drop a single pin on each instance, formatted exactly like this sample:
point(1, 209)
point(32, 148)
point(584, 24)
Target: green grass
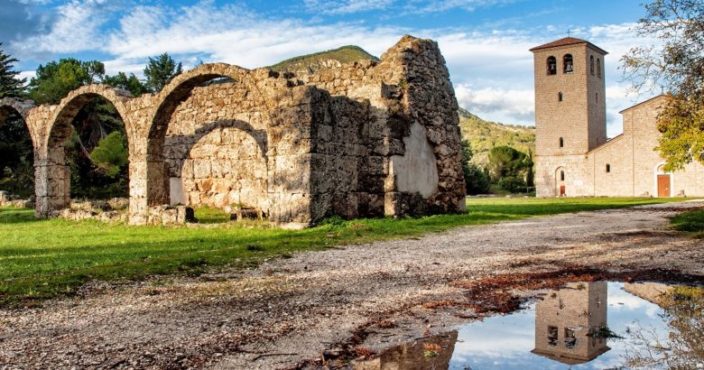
point(691, 222)
point(44, 258)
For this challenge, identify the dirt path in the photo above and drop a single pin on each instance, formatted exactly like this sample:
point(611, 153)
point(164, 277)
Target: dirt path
point(289, 311)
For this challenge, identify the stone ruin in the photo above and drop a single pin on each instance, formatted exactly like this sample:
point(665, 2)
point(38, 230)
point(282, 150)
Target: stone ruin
point(360, 139)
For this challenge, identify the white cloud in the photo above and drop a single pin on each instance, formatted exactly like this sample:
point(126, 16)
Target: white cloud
point(512, 105)
point(492, 70)
point(76, 28)
point(433, 6)
point(346, 6)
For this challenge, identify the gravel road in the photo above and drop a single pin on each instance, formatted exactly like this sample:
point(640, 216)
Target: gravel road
point(289, 312)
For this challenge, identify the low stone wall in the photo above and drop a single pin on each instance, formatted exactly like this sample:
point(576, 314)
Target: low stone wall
point(7, 200)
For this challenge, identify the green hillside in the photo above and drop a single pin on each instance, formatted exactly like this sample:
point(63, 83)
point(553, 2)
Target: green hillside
point(345, 54)
point(484, 135)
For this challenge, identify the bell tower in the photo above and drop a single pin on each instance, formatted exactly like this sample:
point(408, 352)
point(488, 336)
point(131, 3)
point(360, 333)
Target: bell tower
point(570, 107)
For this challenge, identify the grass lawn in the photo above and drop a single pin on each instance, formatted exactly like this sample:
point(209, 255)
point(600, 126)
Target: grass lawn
point(44, 258)
point(692, 222)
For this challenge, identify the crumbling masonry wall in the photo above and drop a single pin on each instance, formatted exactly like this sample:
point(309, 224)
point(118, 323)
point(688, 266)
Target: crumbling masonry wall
point(360, 139)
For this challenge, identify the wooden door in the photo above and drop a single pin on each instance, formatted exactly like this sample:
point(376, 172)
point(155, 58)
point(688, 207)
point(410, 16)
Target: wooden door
point(663, 186)
point(562, 190)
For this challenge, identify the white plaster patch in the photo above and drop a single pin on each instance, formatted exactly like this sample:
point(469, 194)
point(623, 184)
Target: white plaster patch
point(417, 170)
point(176, 191)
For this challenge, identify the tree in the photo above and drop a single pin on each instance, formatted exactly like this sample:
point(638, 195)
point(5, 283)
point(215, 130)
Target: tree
point(675, 63)
point(55, 80)
point(131, 83)
point(10, 84)
point(510, 168)
point(111, 154)
point(159, 71)
point(477, 182)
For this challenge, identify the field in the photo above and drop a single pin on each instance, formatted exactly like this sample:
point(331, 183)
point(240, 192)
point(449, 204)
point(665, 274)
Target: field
point(44, 258)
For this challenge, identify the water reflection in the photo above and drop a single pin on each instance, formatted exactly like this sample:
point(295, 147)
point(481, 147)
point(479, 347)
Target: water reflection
point(569, 323)
point(590, 325)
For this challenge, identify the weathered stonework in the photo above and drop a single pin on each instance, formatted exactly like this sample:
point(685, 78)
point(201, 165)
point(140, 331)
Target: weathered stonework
point(359, 139)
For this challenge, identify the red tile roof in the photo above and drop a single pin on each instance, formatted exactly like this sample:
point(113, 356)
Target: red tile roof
point(566, 42)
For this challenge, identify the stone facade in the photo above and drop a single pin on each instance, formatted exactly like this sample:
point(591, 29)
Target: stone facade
point(573, 157)
point(360, 139)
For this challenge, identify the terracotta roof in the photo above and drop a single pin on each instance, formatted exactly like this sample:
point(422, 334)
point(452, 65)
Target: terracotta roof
point(566, 42)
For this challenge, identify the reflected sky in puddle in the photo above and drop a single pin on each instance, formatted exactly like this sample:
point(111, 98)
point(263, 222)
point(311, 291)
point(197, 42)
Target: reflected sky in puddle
point(574, 327)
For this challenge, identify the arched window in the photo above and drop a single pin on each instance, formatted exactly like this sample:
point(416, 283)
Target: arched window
point(559, 96)
point(552, 65)
point(567, 64)
point(608, 168)
point(562, 175)
point(591, 64)
point(598, 67)
point(562, 142)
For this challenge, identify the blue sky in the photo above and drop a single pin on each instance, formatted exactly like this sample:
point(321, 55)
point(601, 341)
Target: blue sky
point(485, 42)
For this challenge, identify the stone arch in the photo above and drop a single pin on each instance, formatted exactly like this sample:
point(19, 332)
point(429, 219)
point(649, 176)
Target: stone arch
point(167, 101)
point(59, 129)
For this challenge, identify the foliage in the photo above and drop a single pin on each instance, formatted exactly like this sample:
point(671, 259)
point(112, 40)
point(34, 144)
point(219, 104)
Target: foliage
point(45, 258)
point(675, 63)
point(510, 168)
point(111, 154)
point(55, 80)
point(16, 157)
point(10, 84)
point(345, 54)
point(513, 184)
point(131, 83)
point(159, 71)
point(684, 315)
point(485, 135)
point(476, 180)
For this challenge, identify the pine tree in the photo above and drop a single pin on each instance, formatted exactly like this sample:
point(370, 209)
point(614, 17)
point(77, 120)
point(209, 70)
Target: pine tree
point(160, 71)
point(10, 84)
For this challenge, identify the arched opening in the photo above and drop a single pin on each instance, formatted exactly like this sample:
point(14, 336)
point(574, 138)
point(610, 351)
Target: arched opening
point(87, 152)
point(209, 159)
point(560, 186)
point(552, 65)
point(567, 64)
point(591, 65)
point(598, 67)
point(16, 154)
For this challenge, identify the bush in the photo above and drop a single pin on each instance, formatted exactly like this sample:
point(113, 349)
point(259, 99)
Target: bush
point(513, 184)
point(476, 179)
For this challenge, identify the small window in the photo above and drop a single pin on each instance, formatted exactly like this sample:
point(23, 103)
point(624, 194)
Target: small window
point(562, 175)
point(598, 67)
point(596, 97)
point(567, 64)
point(608, 170)
point(559, 96)
point(562, 142)
point(552, 65)
point(570, 339)
point(591, 64)
point(552, 335)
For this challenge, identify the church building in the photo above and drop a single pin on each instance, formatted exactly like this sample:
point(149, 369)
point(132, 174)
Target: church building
point(574, 157)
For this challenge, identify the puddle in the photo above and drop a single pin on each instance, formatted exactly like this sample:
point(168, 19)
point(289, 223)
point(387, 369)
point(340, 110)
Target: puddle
point(590, 325)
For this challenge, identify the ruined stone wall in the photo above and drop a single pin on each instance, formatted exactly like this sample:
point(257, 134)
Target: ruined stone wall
point(359, 139)
point(216, 147)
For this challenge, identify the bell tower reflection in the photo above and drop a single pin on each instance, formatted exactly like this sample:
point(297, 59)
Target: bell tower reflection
point(569, 321)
